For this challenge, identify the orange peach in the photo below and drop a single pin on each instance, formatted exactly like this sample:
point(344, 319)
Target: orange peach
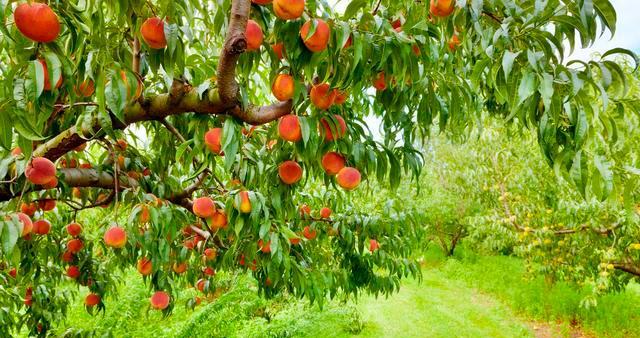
point(322, 96)
point(16, 151)
point(289, 128)
point(47, 204)
point(41, 227)
point(85, 89)
point(27, 224)
point(179, 268)
point(373, 245)
point(415, 49)
point(319, 40)
point(121, 145)
point(309, 233)
point(379, 83)
point(348, 43)
point(254, 36)
point(332, 162)
point(263, 246)
point(288, 9)
point(341, 96)
point(325, 212)
point(144, 266)
point(209, 271)
point(92, 300)
point(159, 300)
point(75, 245)
point(73, 272)
point(245, 202)
point(144, 216)
point(278, 48)
point(203, 207)
point(47, 81)
point(290, 172)
point(152, 31)
point(37, 21)
point(213, 140)
point(305, 210)
point(454, 42)
point(348, 178)
point(295, 240)
point(75, 192)
point(29, 208)
point(201, 285)
point(74, 229)
point(67, 256)
point(218, 220)
point(40, 171)
point(210, 254)
point(283, 87)
point(442, 8)
point(51, 185)
point(115, 237)
point(333, 131)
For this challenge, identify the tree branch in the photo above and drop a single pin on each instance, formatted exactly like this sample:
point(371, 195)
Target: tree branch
point(235, 44)
point(628, 268)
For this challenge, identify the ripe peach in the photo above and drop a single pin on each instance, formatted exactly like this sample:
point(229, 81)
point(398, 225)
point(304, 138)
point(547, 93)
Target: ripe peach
point(144, 216)
point(204, 207)
point(341, 96)
point(416, 50)
point(67, 256)
point(333, 131)
point(189, 244)
point(37, 21)
point(47, 204)
point(74, 229)
point(254, 36)
point(75, 245)
point(348, 43)
point(305, 210)
point(373, 245)
point(283, 87)
point(40, 171)
point(16, 151)
point(85, 166)
point(28, 296)
point(85, 89)
point(288, 9)
point(320, 38)
point(289, 128)
point(325, 212)
point(28, 208)
point(152, 31)
point(102, 200)
point(379, 83)
point(263, 246)
point(295, 240)
point(115, 237)
point(92, 300)
point(332, 162)
point(41, 227)
point(348, 178)
point(130, 80)
point(278, 48)
point(146, 172)
point(309, 233)
point(218, 220)
point(245, 202)
point(213, 140)
point(47, 81)
point(144, 266)
point(322, 96)
point(210, 254)
point(179, 268)
point(120, 145)
point(73, 272)
point(159, 300)
point(454, 42)
point(27, 225)
point(13, 272)
point(209, 271)
point(397, 25)
point(442, 8)
point(75, 192)
point(290, 172)
point(51, 185)
point(201, 284)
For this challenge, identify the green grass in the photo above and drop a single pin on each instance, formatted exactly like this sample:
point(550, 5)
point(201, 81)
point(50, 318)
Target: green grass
point(471, 296)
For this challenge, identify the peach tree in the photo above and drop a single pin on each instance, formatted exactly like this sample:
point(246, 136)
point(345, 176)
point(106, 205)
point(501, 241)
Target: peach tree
point(231, 135)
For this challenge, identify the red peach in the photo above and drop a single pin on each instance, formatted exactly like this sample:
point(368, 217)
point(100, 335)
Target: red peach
point(152, 31)
point(74, 229)
point(278, 48)
point(75, 245)
point(28, 208)
point(204, 207)
point(442, 8)
point(379, 83)
point(47, 204)
point(37, 21)
point(320, 38)
point(159, 300)
point(92, 300)
point(332, 162)
point(322, 96)
point(73, 272)
point(213, 139)
point(40, 171)
point(309, 233)
point(348, 178)
point(283, 87)
point(325, 212)
point(334, 131)
point(288, 9)
point(289, 128)
point(254, 36)
point(115, 237)
point(290, 172)
point(41, 227)
point(144, 266)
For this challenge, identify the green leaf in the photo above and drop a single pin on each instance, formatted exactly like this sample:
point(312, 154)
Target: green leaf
point(10, 233)
point(527, 86)
point(507, 62)
point(36, 72)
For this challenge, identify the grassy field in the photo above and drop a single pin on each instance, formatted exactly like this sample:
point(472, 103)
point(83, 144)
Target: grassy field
point(471, 296)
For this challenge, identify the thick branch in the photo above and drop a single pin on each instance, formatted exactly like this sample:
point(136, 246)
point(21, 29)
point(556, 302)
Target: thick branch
point(628, 268)
point(234, 45)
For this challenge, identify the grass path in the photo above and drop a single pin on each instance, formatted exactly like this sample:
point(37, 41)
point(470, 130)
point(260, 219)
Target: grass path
point(437, 307)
